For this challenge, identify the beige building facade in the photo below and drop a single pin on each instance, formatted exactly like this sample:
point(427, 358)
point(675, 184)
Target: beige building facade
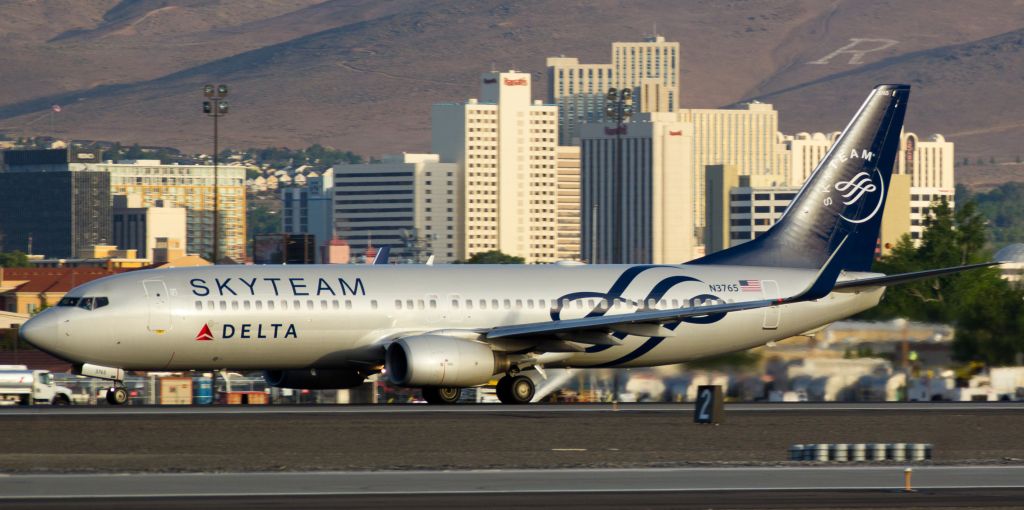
point(505, 145)
point(569, 213)
point(649, 68)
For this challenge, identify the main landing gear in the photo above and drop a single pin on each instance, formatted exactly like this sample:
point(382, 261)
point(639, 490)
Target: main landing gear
point(441, 394)
point(515, 389)
point(117, 395)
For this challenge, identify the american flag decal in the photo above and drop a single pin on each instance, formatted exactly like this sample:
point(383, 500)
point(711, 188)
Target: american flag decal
point(750, 285)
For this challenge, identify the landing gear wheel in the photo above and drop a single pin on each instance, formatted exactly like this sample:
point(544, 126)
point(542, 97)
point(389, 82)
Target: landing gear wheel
point(117, 395)
point(515, 390)
point(441, 395)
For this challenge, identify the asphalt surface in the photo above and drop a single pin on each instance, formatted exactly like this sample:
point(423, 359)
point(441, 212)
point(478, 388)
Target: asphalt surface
point(781, 487)
point(234, 439)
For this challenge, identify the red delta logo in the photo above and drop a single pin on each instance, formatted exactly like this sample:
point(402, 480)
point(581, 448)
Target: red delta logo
point(513, 83)
point(205, 333)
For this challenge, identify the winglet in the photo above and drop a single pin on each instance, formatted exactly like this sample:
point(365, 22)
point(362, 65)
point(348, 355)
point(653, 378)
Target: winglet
point(382, 255)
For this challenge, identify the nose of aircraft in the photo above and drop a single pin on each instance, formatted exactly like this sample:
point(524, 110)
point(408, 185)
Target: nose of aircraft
point(41, 331)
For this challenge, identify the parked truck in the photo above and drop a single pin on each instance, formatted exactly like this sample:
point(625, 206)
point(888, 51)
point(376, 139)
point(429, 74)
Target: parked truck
point(19, 385)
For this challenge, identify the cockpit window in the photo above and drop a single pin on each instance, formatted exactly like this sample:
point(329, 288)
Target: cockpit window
point(85, 303)
point(68, 301)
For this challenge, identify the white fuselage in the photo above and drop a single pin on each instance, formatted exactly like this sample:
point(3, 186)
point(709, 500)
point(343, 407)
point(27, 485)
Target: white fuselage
point(335, 316)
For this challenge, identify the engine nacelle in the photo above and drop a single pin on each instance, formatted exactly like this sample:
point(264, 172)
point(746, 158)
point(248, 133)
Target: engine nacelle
point(315, 378)
point(436, 360)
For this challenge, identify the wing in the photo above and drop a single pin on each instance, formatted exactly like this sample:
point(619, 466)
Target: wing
point(623, 322)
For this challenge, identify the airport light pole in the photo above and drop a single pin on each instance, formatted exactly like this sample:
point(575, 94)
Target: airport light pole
point(618, 107)
point(215, 106)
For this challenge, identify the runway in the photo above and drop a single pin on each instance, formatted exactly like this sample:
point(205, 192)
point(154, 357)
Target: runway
point(879, 486)
point(772, 407)
point(419, 437)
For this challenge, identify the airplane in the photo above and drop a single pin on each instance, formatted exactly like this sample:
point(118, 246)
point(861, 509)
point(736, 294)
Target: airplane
point(442, 328)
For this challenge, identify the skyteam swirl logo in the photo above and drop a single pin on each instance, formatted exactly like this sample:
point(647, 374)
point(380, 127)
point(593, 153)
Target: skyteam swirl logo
point(856, 187)
point(856, 195)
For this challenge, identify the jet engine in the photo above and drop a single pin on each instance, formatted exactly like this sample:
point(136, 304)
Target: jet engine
point(315, 378)
point(437, 360)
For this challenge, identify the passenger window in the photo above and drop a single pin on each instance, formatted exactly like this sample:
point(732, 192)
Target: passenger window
point(590, 304)
point(100, 302)
point(519, 304)
point(234, 305)
point(543, 303)
point(284, 304)
point(85, 303)
point(223, 305)
point(296, 305)
point(323, 304)
point(455, 304)
point(494, 304)
point(398, 304)
point(469, 304)
point(483, 304)
point(409, 304)
point(675, 303)
point(270, 304)
point(373, 304)
point(419, 304)
point(211, 305)
point(335, 304)
point(529, 303)
point(259, 305)
point(433, 303)
point(309, 304)
point(246, 305)
point(199, 306)
point(348, 304)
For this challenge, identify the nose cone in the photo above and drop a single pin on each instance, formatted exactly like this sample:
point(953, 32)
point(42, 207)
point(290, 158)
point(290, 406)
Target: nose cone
point(41, 331)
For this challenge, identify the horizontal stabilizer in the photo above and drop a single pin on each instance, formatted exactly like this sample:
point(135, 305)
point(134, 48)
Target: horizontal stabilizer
point(896, 279)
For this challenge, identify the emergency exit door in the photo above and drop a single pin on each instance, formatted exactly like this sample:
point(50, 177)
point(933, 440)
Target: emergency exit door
point(772, 314)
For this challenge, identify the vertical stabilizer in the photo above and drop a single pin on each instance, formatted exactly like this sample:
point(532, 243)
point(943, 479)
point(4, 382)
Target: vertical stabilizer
point(837, 215)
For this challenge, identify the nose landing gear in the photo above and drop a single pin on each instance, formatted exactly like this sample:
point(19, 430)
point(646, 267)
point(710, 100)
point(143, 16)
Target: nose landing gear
point(117, 395)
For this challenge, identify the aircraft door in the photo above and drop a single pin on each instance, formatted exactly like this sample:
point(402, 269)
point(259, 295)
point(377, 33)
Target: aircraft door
point(772, 314)
point(159, 305)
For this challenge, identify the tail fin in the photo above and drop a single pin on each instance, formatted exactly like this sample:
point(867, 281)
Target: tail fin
point(836, 217)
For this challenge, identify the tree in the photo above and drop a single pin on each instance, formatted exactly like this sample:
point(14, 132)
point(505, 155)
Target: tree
point(494, 257)
point(13, 259)
point(984, 308)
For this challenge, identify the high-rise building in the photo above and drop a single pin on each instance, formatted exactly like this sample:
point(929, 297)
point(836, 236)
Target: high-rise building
point(649, 68)
point(308, 209)
point(569, 234)
point(284, 249)
point(651, 180)
point(187, 186)
point(138, 228)
point(58, 213)
point(409, 203)
point(505, 146)
point(744, 136)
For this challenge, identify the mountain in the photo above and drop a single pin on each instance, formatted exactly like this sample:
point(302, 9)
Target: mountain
point(361, 74)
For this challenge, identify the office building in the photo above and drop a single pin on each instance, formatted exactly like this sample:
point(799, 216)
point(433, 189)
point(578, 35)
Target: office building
point(308, 209)
point(505, 147)
point(58, 213)
point(649, 68)
point(653, 187)
point(408, 202)
point(138, 228)
point(284, 249)
point(187, 186)
point(569, 235)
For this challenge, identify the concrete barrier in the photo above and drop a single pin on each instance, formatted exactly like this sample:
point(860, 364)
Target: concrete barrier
point(860, 452)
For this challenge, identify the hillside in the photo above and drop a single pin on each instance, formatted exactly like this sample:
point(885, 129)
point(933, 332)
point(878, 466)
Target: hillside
point(362, 74)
